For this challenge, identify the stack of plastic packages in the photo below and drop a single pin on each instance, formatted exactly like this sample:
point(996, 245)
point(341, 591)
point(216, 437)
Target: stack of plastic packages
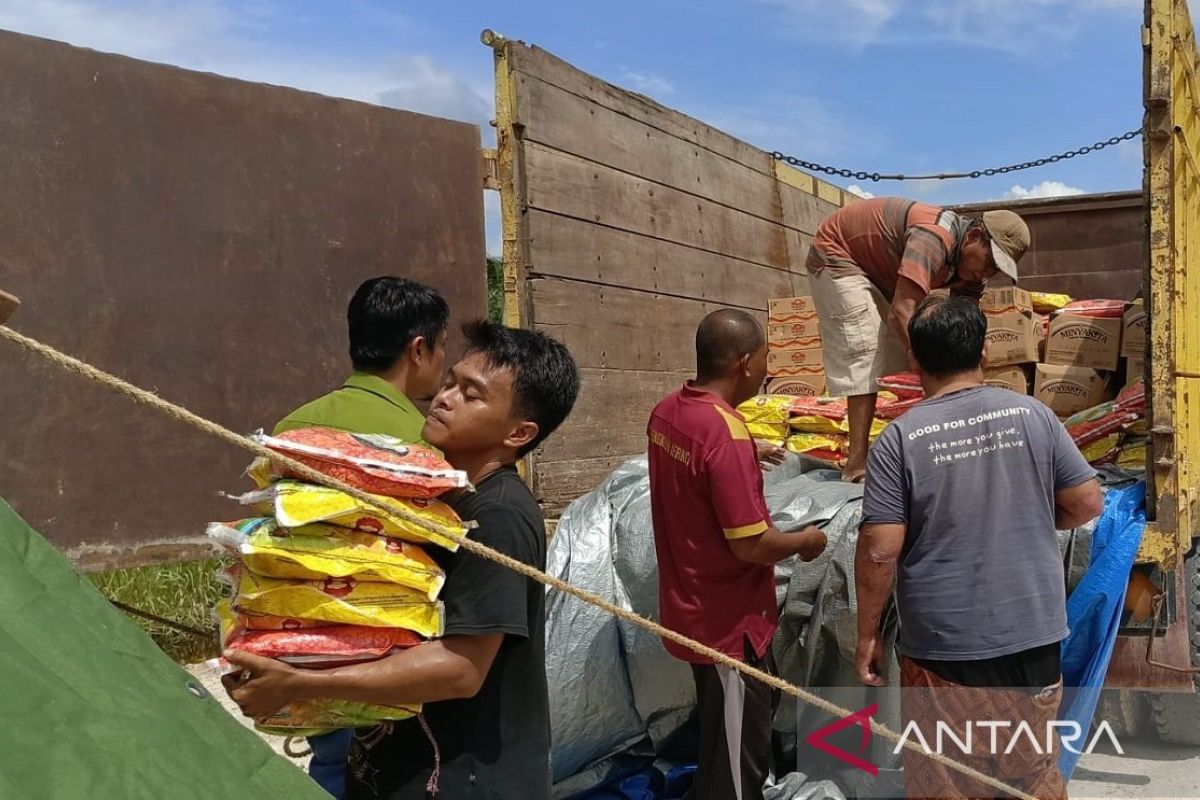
point(324, 578)
point(767, 417)
point(1113, 432)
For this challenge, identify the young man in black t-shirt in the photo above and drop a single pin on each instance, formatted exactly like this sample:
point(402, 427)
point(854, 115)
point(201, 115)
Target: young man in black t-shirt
point(483, 684)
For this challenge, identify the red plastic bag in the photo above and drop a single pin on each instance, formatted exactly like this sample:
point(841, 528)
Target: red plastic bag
point(1133, 398)
point(829, 407)
point(893, 410)
point(327, 646)
point(371, 462)
point(905, 385)
point(1095, 308)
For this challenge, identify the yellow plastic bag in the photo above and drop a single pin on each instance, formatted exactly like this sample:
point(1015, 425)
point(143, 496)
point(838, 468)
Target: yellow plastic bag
point(809, 442)
point(768, 431)
point(1044, 303)
point(295, 504)
point(827, 426)
point(318, 551)
point(1100, 448)
point(767, 408)
point(1132, 455)
point(346, 601)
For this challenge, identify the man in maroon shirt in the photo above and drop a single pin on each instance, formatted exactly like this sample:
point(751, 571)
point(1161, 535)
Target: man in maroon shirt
point(717, 549)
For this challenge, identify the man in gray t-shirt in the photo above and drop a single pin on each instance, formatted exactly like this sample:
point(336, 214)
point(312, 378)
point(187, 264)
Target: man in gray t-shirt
point(964, 493)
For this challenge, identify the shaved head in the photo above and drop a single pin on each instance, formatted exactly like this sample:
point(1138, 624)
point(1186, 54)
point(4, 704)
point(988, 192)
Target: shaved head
point(723, 339)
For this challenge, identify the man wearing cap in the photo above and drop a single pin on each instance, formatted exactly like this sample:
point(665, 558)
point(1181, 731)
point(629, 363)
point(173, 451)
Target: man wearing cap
point(869, 266)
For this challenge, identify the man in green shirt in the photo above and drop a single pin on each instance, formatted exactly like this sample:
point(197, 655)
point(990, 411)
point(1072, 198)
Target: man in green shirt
point(398, 350)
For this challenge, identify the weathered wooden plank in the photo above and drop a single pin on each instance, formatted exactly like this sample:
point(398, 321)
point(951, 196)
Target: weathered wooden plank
point(553, 70)
point(562, 481)
point(803, 211)
point(565, 247)
point(574, 187)
point(616, 328)
point(558, 119)
point(609, 419)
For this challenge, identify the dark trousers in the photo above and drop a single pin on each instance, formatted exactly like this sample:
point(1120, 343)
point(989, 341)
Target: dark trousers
point(735, 733)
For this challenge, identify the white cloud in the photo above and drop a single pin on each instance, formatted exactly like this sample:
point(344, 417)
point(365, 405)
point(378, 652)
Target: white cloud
point(1014, 26)
point(1041, 190)
point(223, 37)
point(648, 83)
point(492, 226)
point(854, 188)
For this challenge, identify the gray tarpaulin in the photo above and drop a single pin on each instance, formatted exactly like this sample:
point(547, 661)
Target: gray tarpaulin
point(618, 700)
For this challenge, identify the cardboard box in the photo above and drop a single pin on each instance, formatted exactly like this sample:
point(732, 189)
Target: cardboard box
point(1067, 390)
point(1135, 328)
point(790, 309)
point(1011, 377)
point(1092, 342)
point(811, 384)
point(791, 363)
point(1135, 369)
point(1012, 338)
point(794, 335)
point(1008, 298)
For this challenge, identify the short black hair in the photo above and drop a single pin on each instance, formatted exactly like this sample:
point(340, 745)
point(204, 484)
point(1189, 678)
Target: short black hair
point(386, 314)
point(946, 334)
point(545, 378)
point(722, 339)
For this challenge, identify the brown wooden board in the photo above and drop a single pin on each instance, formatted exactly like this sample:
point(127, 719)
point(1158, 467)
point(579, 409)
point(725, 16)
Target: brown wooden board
point(574, 187)
point(572, 124)
point(553, 70)
point(570, 248)
point(610, 416)
point(616, 328)
point(200, 237)
point(1089, 247)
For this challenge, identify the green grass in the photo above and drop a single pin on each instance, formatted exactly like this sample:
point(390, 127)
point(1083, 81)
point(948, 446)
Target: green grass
point(495, 284)
point(183, 593)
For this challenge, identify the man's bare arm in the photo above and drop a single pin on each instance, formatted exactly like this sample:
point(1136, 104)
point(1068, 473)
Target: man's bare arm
point(904, 302)
point(772, 545)
point(1078, 505)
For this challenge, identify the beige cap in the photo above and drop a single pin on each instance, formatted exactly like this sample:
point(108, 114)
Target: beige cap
point(1010, 239)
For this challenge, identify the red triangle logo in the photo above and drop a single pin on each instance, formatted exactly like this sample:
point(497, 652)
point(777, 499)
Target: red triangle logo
point(862, 718)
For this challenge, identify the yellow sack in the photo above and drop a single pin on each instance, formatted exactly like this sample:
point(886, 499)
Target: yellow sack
point(1132, 455)
point(295, 504)
point(346, 601)
point(1094, 451)
point(768, 431)
point(767, 408)
point(315, 552)
point(314, 717)
point(1139, 427)
point(1044, 303)
point(808, 442)
point(827, 426)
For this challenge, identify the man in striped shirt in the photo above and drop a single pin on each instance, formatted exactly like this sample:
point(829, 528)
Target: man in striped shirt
point(870, 264)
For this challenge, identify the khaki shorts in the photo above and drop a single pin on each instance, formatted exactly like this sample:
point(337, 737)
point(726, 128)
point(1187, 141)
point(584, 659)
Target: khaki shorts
point(860, 344)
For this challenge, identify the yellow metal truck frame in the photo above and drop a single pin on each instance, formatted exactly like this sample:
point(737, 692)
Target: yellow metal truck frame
point(1172, 186)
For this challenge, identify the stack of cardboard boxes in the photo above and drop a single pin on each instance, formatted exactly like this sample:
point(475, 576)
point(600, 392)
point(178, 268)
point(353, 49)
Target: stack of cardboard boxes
point(795, 361)
point(1074, 363)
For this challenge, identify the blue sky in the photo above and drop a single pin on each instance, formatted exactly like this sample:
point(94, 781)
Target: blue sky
point(878, 85)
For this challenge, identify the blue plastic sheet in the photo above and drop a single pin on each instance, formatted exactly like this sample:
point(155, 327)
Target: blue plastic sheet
point(1094, 610)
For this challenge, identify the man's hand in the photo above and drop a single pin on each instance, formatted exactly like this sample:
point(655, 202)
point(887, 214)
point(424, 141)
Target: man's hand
point(770, 455)
point(263, 686)
point(814, 543)
point(869, 660)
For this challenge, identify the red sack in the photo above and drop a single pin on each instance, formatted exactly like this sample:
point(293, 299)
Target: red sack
point(829, 407)
point(1133, 398)
point(333, 644)
point(1095, 308)
point(893, 410)
point(905, 385)
point(371, 462)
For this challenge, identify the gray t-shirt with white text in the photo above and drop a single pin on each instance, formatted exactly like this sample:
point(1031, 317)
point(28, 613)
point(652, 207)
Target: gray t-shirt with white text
point(973, 476)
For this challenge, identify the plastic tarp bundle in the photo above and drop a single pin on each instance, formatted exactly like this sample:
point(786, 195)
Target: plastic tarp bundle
point(94, 709)
point(1094, 608)
point(618, 701)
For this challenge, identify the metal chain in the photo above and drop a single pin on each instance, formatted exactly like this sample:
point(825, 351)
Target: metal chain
point(861, 175)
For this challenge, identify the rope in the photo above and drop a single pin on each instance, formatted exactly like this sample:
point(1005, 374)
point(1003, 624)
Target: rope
point(181, 414)
point(179, 626)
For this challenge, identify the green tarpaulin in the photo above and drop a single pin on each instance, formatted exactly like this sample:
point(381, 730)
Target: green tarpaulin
point(90, 707)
